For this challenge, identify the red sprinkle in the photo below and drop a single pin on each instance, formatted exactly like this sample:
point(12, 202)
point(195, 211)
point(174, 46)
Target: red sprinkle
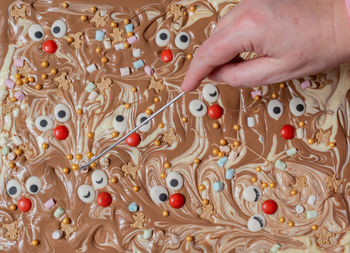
point(104, 199)
point(215, 111)
point(166, 55)
point(24, 204)
point(269, 206)
point(133, 140)
point(61, 132)
point(50, 47)
point(287, 132)
point(177, 200)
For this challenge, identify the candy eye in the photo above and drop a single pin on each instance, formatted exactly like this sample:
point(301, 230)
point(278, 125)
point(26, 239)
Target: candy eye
point(162, 37)
point(297, 106)
point(86, 193)
point(36, 32)
point(182, 40)
point(59, 28)
point(33, 185)
point(198, 108)
point(210, 93)
point(99, 179)
point(120, 123)
point(159, 194)
point(252, 193)
point(62, 113)
point(44, 123)
point(174, 181)
point(275, 109)
point(13, 188)
point(140, 119)
point(256, 223)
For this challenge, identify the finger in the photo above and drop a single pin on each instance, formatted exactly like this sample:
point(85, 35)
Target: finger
point(224, 21)
point(219, 49)
point(255, 72)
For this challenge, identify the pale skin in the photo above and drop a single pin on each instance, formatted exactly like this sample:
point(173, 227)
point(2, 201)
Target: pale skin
point(293, 38)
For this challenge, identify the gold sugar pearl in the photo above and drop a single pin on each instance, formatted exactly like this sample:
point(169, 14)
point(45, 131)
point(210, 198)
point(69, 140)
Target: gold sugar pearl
point(184, 119)
point(127, 106)
point(314, 227)
point(205, 202)
point(25, 80)
point(258, 169)
point(44, 76)
point(274, 95)
point(126, 45)
point(236, 144)
point(129, 34)
point(282, 85)
point(221, 154)
point(45, 145)
point(201, 187)
point(93, 9)
point(311, 141)
point(35, 242)
point(149, 112)
point(19, 151)
point(133, 89)
point(157, 143)
point(31, 79)
point(165, 213)
point(156, 99)
point(136, 188)
point(192, 8)
point(115, 134)
point(69, 156)
point(272, 185)
point(163, 175)
point(89, 154)
point(293, 192)
point(14, 99)
point(13, 207)
point(65, 5)
point(282, 219)
point(257, 98)
point(38, 86)
point(12, 165)
point(254, 179)
point(291, 224)
point(53, 71)
point(104, 59)
point(265, 185)
point(197, 161)
point(167, 165)
point(83, 18)
point(216, 151)
point(80, 111)
point(161, 125)
point(78, 156)
point(70, 39)
point(75, 166)
point(19, 82)
point(18, 76)
point(126, 21)
point(223, 142)
point(114, 24)
point(91, 135)
point(66, 220)
point(65, 170)
point(189, 56)
point(236, 127)
point(189, 238)
point(44, 64)
point(331, 144)
point(98, 50)
point(113, 180)
point(216, 125)
point(93, 165)
point(301, 123)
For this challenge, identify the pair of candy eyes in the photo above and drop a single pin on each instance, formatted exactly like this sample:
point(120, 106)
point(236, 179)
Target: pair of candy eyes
point(120, 123)
point(14, 189)
point(45, 123)
point(296, 106)
point(174, 181)
point(210, 94)
point(182, 39)
point(58, 29)
point(86, 192)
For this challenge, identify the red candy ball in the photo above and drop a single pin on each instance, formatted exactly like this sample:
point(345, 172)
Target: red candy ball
point(215, 111)
point(269, 206)
point(166, 55)
point(104, 199)
point(49, 47)
point(177, 200)
point(61, 132)
point(287, 132)
point(24, 204)
point(133, 140)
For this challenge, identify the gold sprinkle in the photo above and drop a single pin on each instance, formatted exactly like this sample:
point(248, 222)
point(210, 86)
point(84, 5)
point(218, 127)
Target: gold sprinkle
point(282, 220)
point(293, 192)
point(136, 188)
point(93, 9)
point(134, 89)
point(114, 24)
point(93, 165)
point(89, 154)
point(156, 99)
point(35, 242)
point(216, 151)
point(18, 76)
point(44, 64)
point(258, 169)
point(25, 80)
point(223, 142)
point(38, 86)
point(129, 34)
point(221, 154)
point(314, 227)
point(115, 134)
point(65, 170)
point(265, 185)
point(65, 5)
point(126, 45)
point(216, 125)
point(254, 179)
point(257, 98)
point(272, 185)
point(311, 141)
point(189, 238)
point(201, 187)
point(301, 123)
point(113, 180)
point(66, 220)
point(98, 50)
point(14, 99)
point(274, 95)
point(291, 224)
point(126, 21)
point(331, 144)
point(13, 207)
point(44, 76)
point(127, 106)
point(236, 127)
point(167, 165)
point(69, 156)
point(165, 213)
point(83, 18)
point(282, 85)
point(78, 156)
point(53, 71)
point(197, 161)
point(31, 79)
point(149, 112)
point(192, 8)
point(104, 59)
point(91, 135)
point(45, 145)
point(163, 175)
point(189, 56)
point(205, 202)
point(75, 167)
point(19, 82)
point(184, 119)
point(80, 111)
point(157, 143)
point(12, 165)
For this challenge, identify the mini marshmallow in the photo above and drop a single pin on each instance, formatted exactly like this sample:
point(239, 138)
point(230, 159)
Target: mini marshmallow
point(119, 46)
point(9, 83)
point(49, 204)
point(132, 40)
point(299, 209)
point(311, 214)
point(138, 64)
point(3, 95)
point(136, 52)
point(291, 151)
point(275, 248)
point(222, 161)
point(90, 87)
point(251, 122)
point(224, 149)
point(125, 71)
point(93, 95)
point(57, 234)
point(17, 140)
point(311, 200)
point(91, 68)
point(300, 133)
point(5, 150)
point(306, 84)
point(279, 164)
point(129, 28)
point(18, 62)
point(256, 93)
point(100, 35)
point(20, 95)
point(218, 186)
point(11, 156)
point(107, 43)
point(147, 233)
point(230, 173)
point(149, 70)
point(133, 207)
point(59, 212)
point(233, 155)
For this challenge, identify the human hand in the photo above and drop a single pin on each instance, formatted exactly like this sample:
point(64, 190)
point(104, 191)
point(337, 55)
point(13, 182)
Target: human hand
point(292, 38)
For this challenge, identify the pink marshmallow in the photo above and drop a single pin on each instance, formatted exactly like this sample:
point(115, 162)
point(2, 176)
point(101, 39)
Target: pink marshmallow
point(132, 40)
point(19, 62)
point(93, 95)
point(19, 95)
point(149, 70)
point(11, 156)
point(306, 84)
point(256, 93)
point(9, 83)
point(50, 203)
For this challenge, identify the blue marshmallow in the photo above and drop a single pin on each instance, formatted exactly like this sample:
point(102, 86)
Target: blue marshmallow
point(129, 28)
point(138, 64)
point(100, 35)
point(218, 186)
point(222, 161)
point(133, 207)
point(229, 174)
